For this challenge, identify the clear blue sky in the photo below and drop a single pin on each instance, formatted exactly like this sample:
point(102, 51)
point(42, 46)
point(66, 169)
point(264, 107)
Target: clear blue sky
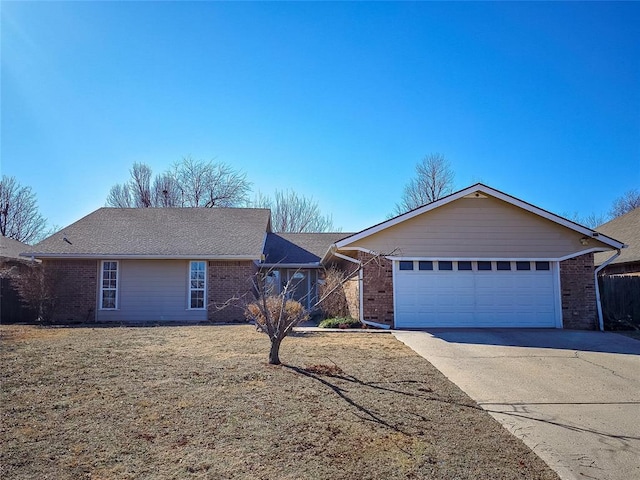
point(335, 100)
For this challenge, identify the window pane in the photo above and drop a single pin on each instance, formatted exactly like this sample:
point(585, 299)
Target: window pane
point(406, 265)
point(197, 299)
point(464, 265)
point(542, 265)
point(503, 265)
point(523, 265)
point(484, 265)
point(445, 265)
point(425, 265)
point(109, 299)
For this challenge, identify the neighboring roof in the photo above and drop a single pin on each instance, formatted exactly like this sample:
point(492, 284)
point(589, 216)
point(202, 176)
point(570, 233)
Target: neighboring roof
point(10, 248)
point(298, 248)
point(161, 233)
point(479, 189)
point(627, 229)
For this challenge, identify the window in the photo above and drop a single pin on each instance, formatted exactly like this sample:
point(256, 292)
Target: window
point(484, 265)
point(503, 265)
point(523, 265)
point(445, 265)
point(464, 265)
point(406, 265)
point(197, 276)
point(425, 265)
point(542, 265)
point(109, 288)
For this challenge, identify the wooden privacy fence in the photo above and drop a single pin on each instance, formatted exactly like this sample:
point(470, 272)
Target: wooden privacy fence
point(620, 296)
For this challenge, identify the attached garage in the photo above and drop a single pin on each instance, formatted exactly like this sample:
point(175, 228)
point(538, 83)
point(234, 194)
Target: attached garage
point(475, 293)
point(477, 258)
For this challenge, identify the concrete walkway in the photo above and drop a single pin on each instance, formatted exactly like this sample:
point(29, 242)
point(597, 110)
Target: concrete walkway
point(573, 397)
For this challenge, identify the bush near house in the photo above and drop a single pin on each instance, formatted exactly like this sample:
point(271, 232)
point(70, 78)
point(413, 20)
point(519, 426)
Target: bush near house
point(340, 322)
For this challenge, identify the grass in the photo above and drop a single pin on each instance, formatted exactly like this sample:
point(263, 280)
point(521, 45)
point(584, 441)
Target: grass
point(201, 402)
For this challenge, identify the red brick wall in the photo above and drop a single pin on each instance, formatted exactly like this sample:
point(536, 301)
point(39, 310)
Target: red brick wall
point(578, 293)
point(77, 289)
point(377, 289)
point(229, 289)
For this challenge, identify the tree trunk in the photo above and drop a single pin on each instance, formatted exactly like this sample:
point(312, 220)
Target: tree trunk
point(274, 353)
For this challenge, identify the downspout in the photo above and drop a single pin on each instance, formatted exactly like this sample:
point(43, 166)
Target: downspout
point(360, 291)
point(595, 276)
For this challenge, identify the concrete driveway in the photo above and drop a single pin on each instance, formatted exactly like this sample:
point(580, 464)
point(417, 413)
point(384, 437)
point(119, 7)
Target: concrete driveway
point(572, 396)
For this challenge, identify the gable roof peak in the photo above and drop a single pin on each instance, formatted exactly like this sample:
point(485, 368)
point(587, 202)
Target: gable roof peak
point(489, 191)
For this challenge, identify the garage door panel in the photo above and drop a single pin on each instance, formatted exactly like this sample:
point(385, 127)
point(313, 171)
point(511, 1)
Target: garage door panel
point(475, 298)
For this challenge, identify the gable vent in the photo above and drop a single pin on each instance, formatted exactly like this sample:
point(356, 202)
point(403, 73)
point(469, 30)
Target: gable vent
point(476, 195)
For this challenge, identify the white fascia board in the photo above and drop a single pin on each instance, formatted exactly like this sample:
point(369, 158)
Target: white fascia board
point(81, 256)
point(479, 187)
point(499, 259)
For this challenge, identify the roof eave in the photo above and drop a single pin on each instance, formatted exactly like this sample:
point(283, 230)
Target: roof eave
point(114, 256)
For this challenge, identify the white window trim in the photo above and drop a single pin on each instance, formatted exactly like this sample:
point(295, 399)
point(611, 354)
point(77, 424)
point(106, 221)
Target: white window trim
point(117, 289)
point(189, 289)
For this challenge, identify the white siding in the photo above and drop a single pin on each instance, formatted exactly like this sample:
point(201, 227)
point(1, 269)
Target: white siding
point(476, 228)
point(152, 290)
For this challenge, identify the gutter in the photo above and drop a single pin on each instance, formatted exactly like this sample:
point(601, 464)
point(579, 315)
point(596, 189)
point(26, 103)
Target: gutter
point(595, 277)
point(112, 256)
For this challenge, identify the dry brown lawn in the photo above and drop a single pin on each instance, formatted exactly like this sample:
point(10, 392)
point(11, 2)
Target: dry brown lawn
point(201, 402)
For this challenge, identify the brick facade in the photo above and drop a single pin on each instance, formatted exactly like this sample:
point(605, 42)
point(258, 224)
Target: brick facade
point(229, 280)
point(578, 293)
point(377, 289)
point(77, 289)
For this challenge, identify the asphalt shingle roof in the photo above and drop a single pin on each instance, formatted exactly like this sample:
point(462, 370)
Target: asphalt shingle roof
point(625, 228)
point(162, 232)
point(297, 248)
point(11, 248)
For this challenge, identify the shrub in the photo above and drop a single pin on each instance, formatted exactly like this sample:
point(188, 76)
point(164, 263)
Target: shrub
point(340, 322)
point(334, 301)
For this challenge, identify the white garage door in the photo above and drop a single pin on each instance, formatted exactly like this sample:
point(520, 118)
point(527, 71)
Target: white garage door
point(474, 294)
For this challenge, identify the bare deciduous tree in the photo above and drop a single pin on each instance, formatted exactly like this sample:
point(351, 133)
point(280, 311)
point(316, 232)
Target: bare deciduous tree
point(294, 213)
point(276, 315)
point(19, 215)
point(433, 180)
point(624, 204)
point(119, 196)
point(189, 183)
point(592, 220)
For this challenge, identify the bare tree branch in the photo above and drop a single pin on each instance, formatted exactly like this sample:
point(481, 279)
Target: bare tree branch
point(19, 215)
point(433, 180)
point(624, 204)
point(140, 185)
point(189, 183)
point(294, 213)
point(119, 196)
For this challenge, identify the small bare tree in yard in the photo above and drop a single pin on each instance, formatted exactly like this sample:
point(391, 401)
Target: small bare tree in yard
point(276, 315)
point(433, 180)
